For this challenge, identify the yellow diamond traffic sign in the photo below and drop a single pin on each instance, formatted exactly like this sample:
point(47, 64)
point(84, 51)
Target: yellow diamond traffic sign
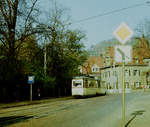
point(123, 33)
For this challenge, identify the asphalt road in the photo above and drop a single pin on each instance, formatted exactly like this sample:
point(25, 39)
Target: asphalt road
point(101, 111)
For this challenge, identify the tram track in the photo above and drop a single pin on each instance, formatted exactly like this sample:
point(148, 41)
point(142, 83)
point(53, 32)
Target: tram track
point(34, 112)
point(44, 110)
point(28, 107)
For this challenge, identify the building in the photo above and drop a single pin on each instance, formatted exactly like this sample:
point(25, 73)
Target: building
point(92, 66)
point(134, 77)
point(136, 73)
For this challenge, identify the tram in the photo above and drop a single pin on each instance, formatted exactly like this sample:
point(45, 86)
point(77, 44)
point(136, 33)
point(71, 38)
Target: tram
point(87, 86)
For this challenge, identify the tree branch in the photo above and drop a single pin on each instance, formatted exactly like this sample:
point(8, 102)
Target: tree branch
point(26, 20)
point(4, 13)
point(10, 11)
point(3, 43)
point(4, 34)
point(24, 36)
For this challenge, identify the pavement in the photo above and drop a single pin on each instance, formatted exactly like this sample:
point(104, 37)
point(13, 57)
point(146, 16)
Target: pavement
point(25, 103)
point(80, 112)
point(138, 114)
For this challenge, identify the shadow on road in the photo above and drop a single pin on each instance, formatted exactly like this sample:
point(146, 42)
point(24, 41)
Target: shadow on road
point(134, 114)
point(4, 121)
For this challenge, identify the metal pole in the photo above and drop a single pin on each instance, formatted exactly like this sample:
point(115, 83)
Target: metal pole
point(123, 95)
point(115, 81)
point(30, 92)
point(45, 54)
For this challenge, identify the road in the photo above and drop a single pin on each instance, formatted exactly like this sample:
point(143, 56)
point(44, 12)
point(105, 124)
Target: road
point(101, 111)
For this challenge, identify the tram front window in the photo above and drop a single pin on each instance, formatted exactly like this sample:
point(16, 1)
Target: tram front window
point(77, 84)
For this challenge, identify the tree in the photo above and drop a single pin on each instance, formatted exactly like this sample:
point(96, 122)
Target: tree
point(21, 55)
point(141, 49)
point(65, 52)
point(16, 24)
point(144, 28)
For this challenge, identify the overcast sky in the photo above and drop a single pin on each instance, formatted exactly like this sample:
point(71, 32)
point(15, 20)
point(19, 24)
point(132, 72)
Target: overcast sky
point(101, 28)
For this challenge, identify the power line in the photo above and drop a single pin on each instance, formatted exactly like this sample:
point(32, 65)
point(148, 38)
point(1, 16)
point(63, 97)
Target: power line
point(111, 12)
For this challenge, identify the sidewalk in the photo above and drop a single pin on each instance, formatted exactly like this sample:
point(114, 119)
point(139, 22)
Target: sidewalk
point(24, 103)
point(138, 111)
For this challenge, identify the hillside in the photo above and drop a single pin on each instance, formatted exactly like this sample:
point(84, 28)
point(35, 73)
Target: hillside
point(100, 47)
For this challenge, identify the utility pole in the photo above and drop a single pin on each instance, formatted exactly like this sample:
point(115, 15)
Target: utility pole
point(45, 55)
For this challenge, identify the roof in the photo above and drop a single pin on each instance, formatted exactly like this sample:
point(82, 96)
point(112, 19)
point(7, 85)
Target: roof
point(121, 65)
point(94, 60)
point(79, 77)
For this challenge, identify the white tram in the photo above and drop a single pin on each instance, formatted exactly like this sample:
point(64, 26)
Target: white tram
point(87, 86)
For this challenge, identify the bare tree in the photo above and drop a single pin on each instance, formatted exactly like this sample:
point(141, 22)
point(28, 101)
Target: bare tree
point(17, 18)
point(144, 28)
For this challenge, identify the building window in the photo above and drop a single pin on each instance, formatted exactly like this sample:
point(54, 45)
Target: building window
point(127, 73)
point(136, 61)
point(86, 84)
point(116, 85)
point(105, 74)
point(137, 84)
point(136, 72)
point(126, 84)
point(108, 73)
point(95, 69)
point(114, 73)
point(109, 86)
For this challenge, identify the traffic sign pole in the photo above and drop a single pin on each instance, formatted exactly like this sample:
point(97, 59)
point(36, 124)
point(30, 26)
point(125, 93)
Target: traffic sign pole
point(30, 81)
point(31, 92)
point(123, 95)
point(123, 33)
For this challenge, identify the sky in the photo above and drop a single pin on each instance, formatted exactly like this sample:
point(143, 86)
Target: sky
point(101, 28)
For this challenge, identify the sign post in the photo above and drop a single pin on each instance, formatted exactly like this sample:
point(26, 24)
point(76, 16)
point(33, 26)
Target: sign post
point(30, 81)
point(123, 87)
point(123, 96)
point(123, 33)
point(30, 92)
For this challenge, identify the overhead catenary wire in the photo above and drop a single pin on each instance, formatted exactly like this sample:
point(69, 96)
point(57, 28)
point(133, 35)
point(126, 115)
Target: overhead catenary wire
point(111, 12)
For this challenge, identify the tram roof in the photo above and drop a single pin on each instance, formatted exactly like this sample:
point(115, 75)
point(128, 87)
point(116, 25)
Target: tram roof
point(88, 76)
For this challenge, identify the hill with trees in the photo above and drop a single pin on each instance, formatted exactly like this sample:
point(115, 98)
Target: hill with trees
point(100, 47)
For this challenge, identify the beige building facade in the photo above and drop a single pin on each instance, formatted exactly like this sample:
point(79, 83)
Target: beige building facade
point(134, 77)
